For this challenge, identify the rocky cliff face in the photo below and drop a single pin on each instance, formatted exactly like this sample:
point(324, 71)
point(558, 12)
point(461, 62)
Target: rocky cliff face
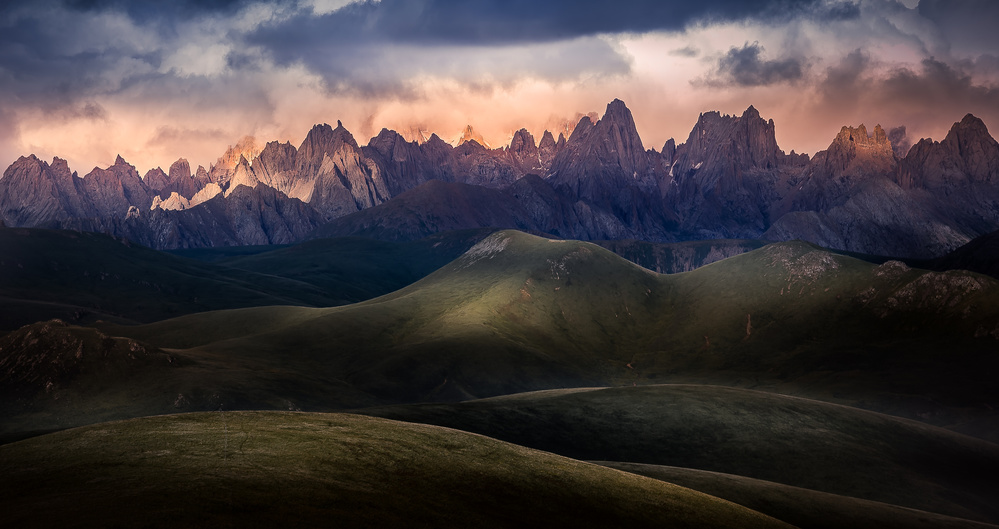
point(729, 179)
point(602, 158)
point(725, 176)
point(34, 193)
point(406, 164)
point(853, 159)
point(156, 180)
point(182, 181)
point(259, 215)
point(859, 196)
point(113, 190)
point(968, 155)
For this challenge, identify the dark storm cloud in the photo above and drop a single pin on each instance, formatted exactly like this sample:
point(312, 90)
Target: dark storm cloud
point(51, 66)
point(374, 47)
point(968, 25)
point(159, 10)
point(745, 67)
point(459, 22)
point(935, 92)
point(941, 84)
point(686, 51)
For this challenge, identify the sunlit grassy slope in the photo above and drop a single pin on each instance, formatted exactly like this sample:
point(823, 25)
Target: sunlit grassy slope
point(270, 469)
point(789, 440)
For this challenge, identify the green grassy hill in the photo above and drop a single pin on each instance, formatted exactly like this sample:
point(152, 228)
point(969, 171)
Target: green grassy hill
point(519, 313)
point(788, 440)
point(268, 469)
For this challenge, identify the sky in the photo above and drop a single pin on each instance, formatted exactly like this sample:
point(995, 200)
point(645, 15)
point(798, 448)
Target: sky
point(154, 81)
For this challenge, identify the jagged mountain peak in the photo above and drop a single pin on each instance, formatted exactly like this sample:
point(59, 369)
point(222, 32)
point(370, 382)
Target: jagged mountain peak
point(547, 140)
point(322, 140)
point(971, 121)
point(969, 129)
point(523, 140)
point(967, 154)
point(470, 134)
point(181, 169)
point(583, 127)
point(860, 136)
point(616, 108)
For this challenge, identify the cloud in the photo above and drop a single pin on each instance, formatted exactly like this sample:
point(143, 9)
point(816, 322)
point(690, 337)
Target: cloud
point(686, 51)
point(927, 98)
point(159, 80)
point(490, 22)
point(900, 142)
point(745, 67)
point(969, 26)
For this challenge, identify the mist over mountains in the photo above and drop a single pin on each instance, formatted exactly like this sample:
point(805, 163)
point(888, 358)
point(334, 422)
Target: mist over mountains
point(728, 179)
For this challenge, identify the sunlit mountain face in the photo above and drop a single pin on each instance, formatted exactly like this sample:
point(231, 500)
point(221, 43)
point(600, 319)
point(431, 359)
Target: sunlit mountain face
point(155, 81)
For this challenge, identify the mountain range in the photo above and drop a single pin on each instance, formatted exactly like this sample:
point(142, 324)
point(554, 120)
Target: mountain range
point(728, 179)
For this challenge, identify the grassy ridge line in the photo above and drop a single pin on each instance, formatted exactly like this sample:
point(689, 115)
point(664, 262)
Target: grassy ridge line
point(267, 469)
point(788, 317)
point(804, 508)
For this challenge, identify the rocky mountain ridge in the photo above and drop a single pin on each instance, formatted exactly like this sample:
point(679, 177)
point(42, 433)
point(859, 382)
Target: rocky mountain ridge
point(729, 179)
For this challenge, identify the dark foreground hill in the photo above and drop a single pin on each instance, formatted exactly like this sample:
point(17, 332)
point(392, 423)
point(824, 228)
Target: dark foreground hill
point(267, 469)
point(803, 508)
point(782, 439)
